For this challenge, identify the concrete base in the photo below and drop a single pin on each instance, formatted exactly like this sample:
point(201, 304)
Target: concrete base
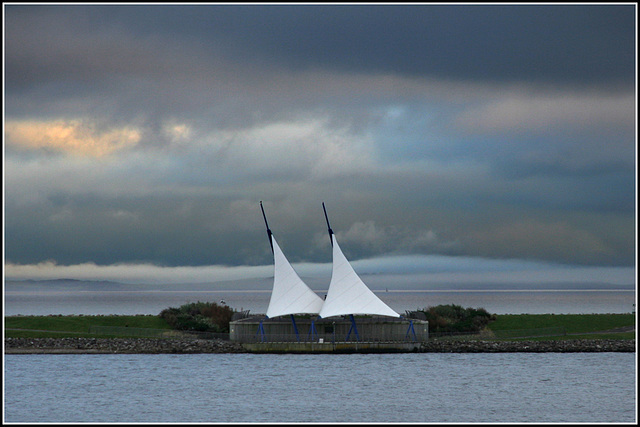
point(330, 347)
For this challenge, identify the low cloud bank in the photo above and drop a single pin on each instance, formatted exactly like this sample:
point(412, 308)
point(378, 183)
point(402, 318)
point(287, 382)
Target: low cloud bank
point(397, 272)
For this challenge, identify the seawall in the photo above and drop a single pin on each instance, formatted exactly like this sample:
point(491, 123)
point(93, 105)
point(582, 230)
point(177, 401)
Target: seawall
point(117, 345)
point(183, 346)
point(551, 346)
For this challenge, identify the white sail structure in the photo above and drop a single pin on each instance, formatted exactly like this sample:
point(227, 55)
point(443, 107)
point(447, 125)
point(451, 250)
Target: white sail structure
point(347, 293)
point(290, 294)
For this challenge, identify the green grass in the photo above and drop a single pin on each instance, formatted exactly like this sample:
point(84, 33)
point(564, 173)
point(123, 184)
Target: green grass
point(573, 323)
point(616, 336)
point(563, 326)
point(580, 326)
point(59, 326)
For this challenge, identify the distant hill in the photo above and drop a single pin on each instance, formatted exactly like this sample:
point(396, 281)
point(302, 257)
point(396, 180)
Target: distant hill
point(63, 284)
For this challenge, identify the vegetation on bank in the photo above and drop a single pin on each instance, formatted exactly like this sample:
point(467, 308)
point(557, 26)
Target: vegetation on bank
point(199, 316)
point(191, 317)
point(577, 326)
point(75, 325)
point(452, 318)
point(211, 317)
point(574, 323)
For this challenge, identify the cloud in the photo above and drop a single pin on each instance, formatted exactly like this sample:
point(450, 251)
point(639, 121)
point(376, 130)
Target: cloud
point(525, 111)
point(366, 236)
point(134, 273)
point(149, 134)
point(304, 147)
point(437, 270)
point(178, 132)
point(394, 272)
point(567, 43)
point(69, 136)
point(556, 240)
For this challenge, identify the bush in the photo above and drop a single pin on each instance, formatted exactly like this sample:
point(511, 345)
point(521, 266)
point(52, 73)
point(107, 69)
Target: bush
point(199, 316)
point(451, 318)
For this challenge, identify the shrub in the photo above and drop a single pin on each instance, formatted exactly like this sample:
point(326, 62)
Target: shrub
point(199, 316)
point(455, 318)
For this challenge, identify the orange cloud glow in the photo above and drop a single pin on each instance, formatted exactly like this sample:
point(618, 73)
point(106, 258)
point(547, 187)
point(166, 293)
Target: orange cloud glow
point(69, 136)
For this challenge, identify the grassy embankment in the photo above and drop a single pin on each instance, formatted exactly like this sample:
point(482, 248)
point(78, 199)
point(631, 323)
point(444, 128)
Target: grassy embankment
point(206, 317)
point(75, 326)
point(576, 326)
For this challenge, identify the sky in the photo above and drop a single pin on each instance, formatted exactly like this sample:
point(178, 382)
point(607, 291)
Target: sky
point(140, 139)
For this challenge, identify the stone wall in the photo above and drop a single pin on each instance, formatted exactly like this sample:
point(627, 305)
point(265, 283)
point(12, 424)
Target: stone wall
point(551, 346)
point(150, 345)
point(118, 345)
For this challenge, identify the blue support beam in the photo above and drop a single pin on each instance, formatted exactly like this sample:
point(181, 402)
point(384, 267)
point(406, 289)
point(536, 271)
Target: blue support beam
point(412, 330)
point(353, 328)
point(295, 327)
point(312, 331)
point(260, 331)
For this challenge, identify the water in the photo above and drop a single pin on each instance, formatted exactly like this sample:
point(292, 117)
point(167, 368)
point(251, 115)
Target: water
point(44, 302)
point(428, 387)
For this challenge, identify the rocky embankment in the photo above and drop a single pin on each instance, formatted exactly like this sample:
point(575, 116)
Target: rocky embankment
point(552, 346)
point(118, 345)
point(182, 346)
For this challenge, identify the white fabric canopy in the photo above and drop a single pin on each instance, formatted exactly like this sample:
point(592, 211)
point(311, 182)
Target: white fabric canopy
point(347, 292)
point(290, 294)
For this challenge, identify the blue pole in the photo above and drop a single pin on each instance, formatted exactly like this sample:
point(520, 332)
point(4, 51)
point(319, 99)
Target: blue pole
point(412, 330)
point(295, 328)
point(312, 330)
point(261, 332)
point(353, 328)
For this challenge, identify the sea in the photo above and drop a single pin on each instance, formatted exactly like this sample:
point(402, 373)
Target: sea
point(355, 388)
point(19, 300)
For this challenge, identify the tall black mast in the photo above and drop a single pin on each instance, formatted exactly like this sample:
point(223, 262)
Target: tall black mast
point(267, 224)
point(328, 226)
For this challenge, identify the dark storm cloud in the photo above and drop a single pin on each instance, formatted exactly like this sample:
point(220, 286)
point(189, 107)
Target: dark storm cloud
point(556, 43)
point(166, 231)
point(495, 42)
point(576, 43)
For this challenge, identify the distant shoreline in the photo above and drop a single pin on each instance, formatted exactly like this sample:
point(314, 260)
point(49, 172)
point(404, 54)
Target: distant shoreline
point(173, 346)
